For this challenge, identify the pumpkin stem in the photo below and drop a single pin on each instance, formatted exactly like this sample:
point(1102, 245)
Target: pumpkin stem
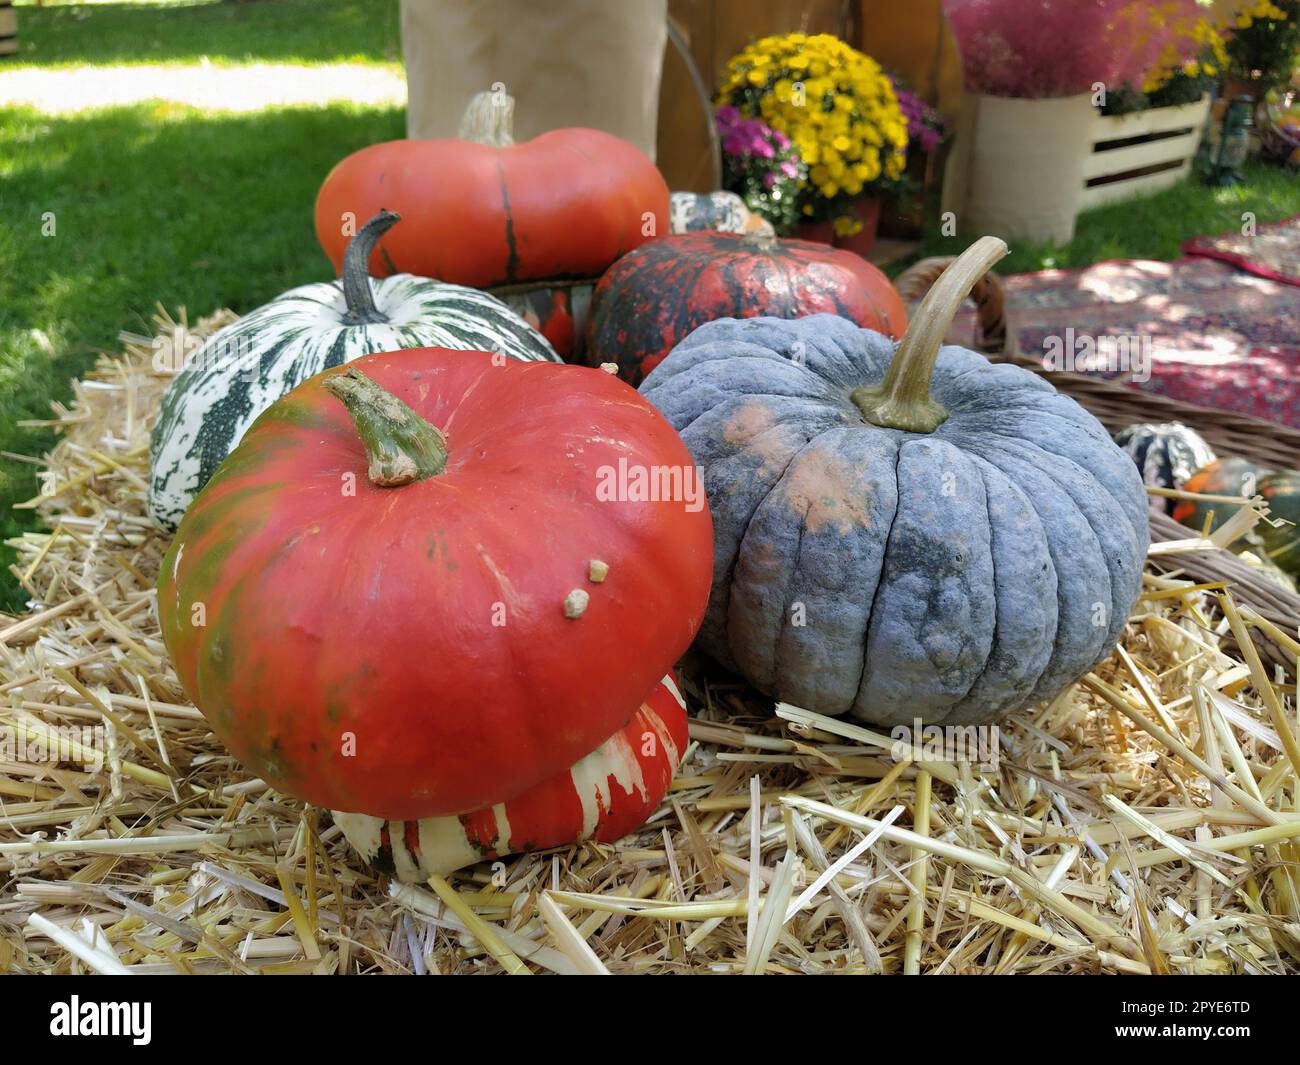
point(489, 119)
point(902, 400)
point(402, 446)
point(356, 270)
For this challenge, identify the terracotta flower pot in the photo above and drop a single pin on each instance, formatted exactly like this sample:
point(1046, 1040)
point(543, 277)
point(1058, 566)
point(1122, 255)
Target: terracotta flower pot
point(821, 232)
point(867, 211)
point(1234, 85)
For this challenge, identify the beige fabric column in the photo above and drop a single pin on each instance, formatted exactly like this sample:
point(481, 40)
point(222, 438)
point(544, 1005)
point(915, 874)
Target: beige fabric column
point(589, 63)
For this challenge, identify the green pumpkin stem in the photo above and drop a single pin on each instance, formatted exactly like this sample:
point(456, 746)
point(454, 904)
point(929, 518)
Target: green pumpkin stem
point(489, 119)
point(902, 400)
point(356, 270)
point(402, 446)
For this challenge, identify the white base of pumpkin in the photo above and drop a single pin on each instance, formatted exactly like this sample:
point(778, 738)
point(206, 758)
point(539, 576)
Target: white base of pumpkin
point(639, 761)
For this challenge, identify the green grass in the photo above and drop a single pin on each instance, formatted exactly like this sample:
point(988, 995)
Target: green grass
point(187, 31)
point(151, 203)
point(1151, 228)
point(159, 202)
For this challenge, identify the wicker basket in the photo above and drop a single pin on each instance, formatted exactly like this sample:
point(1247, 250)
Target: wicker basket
point(1115, 406)
point(1228, 432)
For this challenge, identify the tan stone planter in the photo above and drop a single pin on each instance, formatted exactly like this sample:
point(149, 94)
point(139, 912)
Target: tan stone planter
point(8, 28)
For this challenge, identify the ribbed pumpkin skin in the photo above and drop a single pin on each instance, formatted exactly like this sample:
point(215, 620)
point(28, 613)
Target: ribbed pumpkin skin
point(244, 368)
point(562, 205)
point(950, 576)
point(650, 300)
point(1166, 455)
point(427, 621)
point(606, 795)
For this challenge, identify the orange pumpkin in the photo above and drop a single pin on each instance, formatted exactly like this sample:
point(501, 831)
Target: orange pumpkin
point(423, 593)
point(481, 210)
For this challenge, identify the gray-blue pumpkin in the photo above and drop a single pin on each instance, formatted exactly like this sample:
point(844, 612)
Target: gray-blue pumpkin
point(901, 534)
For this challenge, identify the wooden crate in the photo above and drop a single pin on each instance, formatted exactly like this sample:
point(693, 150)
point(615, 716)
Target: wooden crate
point(1141, 153)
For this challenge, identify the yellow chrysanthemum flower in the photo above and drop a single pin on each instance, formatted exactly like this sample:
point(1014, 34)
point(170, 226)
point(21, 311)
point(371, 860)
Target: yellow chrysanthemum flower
point(846, 225)
point(837, 106)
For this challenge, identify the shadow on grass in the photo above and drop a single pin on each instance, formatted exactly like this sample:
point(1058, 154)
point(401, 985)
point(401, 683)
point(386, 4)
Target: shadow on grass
point(153, 203)
point(311, 31)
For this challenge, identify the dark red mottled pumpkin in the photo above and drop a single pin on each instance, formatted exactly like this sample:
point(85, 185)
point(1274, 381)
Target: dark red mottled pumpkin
point(654, 297)
point(558, 312)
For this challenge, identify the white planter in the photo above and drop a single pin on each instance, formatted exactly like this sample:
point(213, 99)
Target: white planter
point(1023, 169)
point(1026, 165)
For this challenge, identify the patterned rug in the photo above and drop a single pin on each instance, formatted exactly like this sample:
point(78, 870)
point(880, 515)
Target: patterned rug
point(1197, 329)
point(1272, 252)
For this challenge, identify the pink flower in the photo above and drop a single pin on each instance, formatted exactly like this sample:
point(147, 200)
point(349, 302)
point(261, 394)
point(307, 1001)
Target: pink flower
point(1043, 48)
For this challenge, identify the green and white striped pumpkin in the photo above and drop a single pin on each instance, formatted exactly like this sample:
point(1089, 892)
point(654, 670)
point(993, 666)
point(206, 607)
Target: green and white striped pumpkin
point(244, 368)
point(1166, 455)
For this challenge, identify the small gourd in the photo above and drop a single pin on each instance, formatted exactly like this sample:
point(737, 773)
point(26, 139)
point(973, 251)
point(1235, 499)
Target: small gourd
point(1166, 455)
